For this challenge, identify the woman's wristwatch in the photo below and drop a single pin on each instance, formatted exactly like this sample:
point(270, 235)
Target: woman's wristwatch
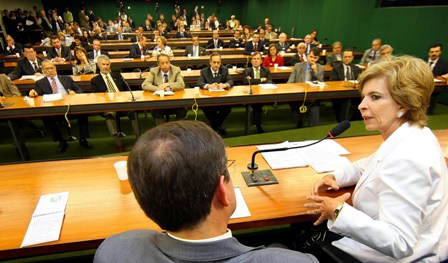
point(337, 211)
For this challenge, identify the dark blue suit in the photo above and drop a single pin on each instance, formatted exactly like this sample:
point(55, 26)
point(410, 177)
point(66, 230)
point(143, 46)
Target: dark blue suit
point(215, 114)
point(42, 87)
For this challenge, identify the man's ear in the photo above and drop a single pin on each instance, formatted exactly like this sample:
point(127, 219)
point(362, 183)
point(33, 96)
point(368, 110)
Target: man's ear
point(221, 192)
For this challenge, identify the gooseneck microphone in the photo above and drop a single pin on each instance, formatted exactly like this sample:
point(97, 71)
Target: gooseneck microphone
point(340, 128)
point(249, 80)
point(130, 90)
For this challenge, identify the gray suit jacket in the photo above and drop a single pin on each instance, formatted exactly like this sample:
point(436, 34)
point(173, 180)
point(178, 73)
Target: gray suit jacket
point(155, 79)
point(298, 73)
point(368, 57)
point(152, 246)
point(189, 50)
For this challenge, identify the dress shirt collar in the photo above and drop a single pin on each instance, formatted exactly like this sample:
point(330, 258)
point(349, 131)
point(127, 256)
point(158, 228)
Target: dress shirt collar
point(228, 234)
point(434, 61)
point(213, 72)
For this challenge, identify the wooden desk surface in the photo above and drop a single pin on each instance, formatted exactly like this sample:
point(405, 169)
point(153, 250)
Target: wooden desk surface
point(100, 205)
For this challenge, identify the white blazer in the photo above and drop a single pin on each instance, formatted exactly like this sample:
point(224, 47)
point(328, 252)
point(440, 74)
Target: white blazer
point(400, 202)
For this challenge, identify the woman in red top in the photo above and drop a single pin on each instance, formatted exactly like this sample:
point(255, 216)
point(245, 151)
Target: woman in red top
point(273, 57)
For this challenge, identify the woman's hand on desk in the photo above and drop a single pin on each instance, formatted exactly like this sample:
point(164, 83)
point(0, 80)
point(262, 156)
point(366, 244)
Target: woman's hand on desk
point(328, 182)
point(325, 206)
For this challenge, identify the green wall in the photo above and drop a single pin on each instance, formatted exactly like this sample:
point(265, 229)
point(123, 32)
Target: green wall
point(356, 22)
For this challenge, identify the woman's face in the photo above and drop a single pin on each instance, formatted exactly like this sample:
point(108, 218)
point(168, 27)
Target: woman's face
point(379, 109)
point(85, 34)
point(160, 43)
point(272, 51)
point(246, 30)
point(314, 34)
point(80, 55)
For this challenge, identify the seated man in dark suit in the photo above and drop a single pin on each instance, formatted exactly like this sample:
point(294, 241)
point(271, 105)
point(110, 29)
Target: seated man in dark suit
point(108, 81)
point(29, 65)
point(255, 75)
point(236, 41)
point(54, 84)
point(254, 46)
point(138, 49)
point(96, 52)
point(439, 67)
point(12, 48)
point(182, 33)
point(282, 45)
point(180, 176)
point(194, 49)
point(302, 72)
point(165, 77)
point(300, 56)
point(308, 42)
point(216, 77)
point(215, 42)
point(345, 70)
point(57, 52)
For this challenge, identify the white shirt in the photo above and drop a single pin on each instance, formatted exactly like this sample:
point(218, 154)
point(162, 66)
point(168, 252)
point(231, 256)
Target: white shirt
point(228, 234)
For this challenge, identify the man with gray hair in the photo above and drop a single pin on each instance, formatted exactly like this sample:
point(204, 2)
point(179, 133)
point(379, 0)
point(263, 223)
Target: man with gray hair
point(108, 81)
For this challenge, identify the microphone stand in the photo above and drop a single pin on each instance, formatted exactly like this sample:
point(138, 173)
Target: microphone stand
point(250, 83)
point(263, 177)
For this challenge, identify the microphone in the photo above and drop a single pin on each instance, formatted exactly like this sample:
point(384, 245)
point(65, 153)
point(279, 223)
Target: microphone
point(130, 90)
point(209, 45)
point(340, 128)
point(141, 72)
point(247, 71)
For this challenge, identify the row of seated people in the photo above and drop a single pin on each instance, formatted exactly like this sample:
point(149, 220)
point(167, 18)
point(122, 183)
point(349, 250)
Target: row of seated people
point(308, 70)
point(166, 77)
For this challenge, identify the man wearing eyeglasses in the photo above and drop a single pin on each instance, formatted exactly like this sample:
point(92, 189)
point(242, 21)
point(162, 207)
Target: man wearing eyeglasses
point(179, 175)
point(54, 84)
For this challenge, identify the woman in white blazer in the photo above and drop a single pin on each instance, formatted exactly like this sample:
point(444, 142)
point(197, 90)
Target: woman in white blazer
point(400, 202)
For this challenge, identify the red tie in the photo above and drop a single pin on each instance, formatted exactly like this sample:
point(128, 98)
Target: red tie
point(141, 51)
point(301, 58)
point(54, 87)
point(255, 47)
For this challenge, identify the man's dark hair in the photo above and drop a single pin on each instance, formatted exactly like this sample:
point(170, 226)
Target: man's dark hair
point(174, 170)
point(436, 45)
point(53, 37)
point(315, 51)
point(28, 46)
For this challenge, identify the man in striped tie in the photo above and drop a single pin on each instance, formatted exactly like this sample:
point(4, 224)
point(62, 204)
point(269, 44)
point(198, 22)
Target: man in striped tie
point(54, 84)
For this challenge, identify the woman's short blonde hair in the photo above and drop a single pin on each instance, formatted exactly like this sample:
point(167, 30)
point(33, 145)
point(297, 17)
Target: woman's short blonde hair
point(410, 82)
point(163, 39)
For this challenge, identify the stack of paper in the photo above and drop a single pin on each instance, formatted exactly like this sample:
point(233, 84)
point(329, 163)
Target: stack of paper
point(52, 97)
point(46, 222)
point(166, 93)
point(322, 157)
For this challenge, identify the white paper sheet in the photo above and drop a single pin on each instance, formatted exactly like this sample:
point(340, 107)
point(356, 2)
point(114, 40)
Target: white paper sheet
point(241, 207)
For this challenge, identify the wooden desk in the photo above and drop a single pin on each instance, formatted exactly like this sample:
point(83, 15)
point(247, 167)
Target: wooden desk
point(99, 205)
point(100, 102)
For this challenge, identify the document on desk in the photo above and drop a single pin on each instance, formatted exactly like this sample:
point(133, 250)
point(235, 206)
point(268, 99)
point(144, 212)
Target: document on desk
point(241, 207)
point(165, 92)
point(268, 86)
point(322, 157)
point(282, 159)
point(52, 97)
point(325, 156)
point(46, 221)
point(32, 77)
point(283, 68)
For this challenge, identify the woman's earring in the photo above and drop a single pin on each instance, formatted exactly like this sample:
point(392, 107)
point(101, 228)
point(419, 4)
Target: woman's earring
point(400, 114)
